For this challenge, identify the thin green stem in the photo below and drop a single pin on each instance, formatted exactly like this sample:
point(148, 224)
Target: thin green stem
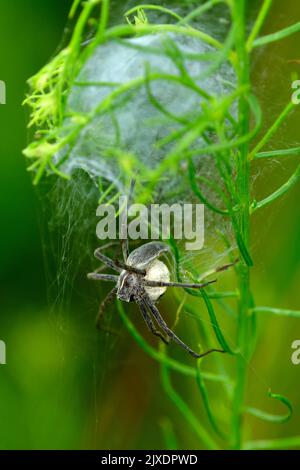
point(283, 33)
point(277, 311)
point(197, 191)
point(243, 221)
point(129, 30)
point(258, 23)
point(278, 153)
point(204, 395)
point(292, 181)
point(161, 357)
point(153, 8)
point(186, 411)
point(199, 11)
point(273, 444)
point(104, 16)
point(275, 126)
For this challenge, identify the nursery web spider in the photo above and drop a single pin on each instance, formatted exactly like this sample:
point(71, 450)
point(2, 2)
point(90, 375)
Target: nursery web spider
point(143, 278)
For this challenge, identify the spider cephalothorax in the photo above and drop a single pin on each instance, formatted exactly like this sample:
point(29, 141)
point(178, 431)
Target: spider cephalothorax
point(143, 279)
point(129, 286)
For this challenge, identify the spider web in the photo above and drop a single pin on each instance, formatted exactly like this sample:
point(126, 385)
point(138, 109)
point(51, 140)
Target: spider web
point(69, 207)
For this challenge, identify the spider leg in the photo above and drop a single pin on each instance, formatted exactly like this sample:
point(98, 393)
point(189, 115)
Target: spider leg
point(219, 269)
point(125, 248)
point(103, 305)
point(226, 266)
point(130, 269)
point(149, 322)
point(124, 241)
point(102, 277)
point(101, 269)
point(116, 265)
point(171, 334)
point(107, 261)
point(178, 284)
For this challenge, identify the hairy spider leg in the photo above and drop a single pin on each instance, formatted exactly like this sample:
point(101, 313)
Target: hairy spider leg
point(171, 334)
point(116, 265)
point(149, 322)
point(177, 284)
point(102, 277)
point(220, 269)
point(110, 296)
point(124, 241)
point(226, 266)
point(107, 261)
point(125, 249)
point(130, 269)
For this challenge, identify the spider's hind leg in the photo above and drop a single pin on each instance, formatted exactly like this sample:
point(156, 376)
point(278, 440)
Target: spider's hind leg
point(171, 334)
point(103, 305)
point(150, 324)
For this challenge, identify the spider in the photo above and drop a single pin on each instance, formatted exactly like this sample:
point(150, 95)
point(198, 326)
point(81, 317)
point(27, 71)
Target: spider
point(143, 279)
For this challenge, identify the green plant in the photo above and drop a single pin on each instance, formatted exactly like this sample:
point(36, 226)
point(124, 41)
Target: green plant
point(226, 135)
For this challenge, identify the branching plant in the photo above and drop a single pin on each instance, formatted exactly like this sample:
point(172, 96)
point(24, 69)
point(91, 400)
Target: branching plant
point(223, 127)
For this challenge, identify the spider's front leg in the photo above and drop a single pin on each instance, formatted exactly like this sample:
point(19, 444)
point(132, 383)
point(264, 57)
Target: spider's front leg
point(107, 261)
point(116, 265)
point(96, 276)
point(219, 269)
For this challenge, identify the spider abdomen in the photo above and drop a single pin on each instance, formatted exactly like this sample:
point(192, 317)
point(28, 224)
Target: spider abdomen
point(156, 271)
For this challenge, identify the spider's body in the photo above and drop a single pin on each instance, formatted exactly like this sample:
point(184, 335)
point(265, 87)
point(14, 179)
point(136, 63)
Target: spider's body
point(131, 285)
point(143, 279)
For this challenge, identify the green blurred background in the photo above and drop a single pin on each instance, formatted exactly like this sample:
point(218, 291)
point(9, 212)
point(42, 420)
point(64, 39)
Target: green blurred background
point(64, 386)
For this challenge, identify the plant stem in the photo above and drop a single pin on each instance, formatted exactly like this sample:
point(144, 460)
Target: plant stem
point(243, 222)
point(281, 191)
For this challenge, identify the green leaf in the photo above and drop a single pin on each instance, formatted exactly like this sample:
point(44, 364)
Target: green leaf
point(278, 153)
point(185, 410)
point(278, 193)
point(129, 30)
point(168, 434)
point(283, 33)
point(222, 295)
point(155, 8)
point(258, 23)
point(205, 297)
point(275, 126)
point(279, 419)
point(276, 444)
point(74, 8)
point(217, 330)
point(278, 311)
point(234, 143)
point(204, 394)
point(160, 356)
point(196, 190)
point(243, 250)
point(199, 11)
